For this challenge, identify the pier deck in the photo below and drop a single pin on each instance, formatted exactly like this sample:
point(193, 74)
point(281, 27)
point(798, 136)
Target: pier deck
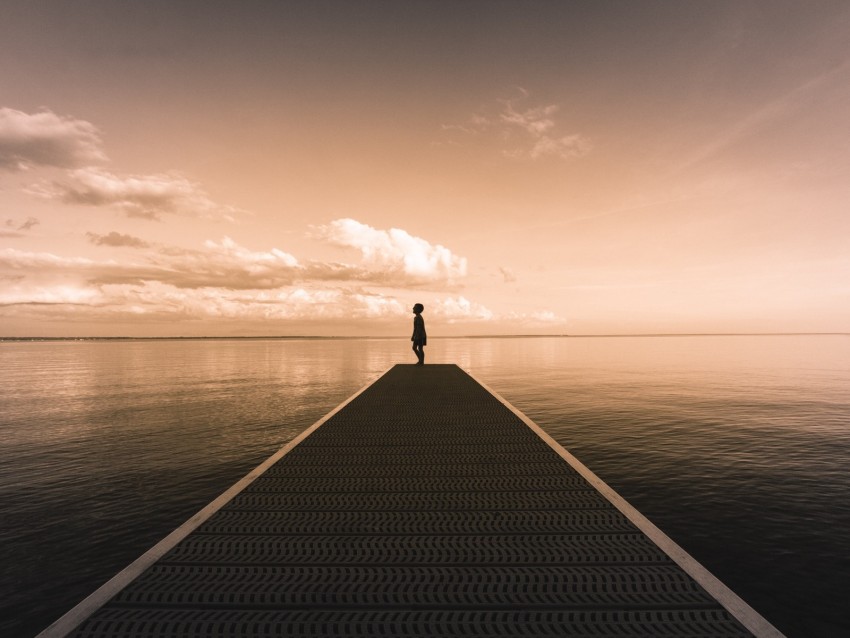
point(423, 506)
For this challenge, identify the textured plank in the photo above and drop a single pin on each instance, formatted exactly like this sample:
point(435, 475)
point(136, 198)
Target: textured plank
point(424, 507)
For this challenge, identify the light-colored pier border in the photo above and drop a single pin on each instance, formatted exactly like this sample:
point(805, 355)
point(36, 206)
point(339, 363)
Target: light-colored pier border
point(732, 603)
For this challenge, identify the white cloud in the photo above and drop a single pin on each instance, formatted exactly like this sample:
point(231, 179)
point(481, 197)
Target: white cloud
point(254, 261)
point(49, 295)
point(454, 309)
point(564, 147)
point(227, 264)
point(14, 259)
point(395, 254)
point(536, 121)
point(526, 133)
point(46, 139)
point(145, 196)
point(541, 140)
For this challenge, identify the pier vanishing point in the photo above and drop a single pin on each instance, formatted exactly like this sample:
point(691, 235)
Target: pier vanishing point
point(424, 505)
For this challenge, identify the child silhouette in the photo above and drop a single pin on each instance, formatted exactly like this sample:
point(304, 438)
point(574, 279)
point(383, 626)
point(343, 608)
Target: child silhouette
point(419, 338)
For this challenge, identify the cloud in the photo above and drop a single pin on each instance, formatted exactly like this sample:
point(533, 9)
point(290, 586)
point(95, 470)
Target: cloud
point(224, 280)
point(526, 133)
point(539, 126)
point(536, 121)
point(162, 301)
point(223, 264)
point(454, 309)
point(54, 295)
point(29, 223)
point(391, 258)
point(219, 265)
point(143, 196)
point(394, 254)
point(46, 139)
point(564, 147)
point(507, 275)
point(229, 265)
point(34, 263)
point(255, 261)
point(226, 264)
point(17, 229)
point(117, 239)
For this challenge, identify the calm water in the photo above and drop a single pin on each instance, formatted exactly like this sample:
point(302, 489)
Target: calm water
point(737, 447)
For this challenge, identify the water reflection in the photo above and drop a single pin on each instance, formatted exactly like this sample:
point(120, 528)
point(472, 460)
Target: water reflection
point(735, 446)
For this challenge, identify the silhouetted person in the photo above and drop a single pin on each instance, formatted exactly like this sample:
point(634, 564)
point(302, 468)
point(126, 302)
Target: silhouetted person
point(419, 338)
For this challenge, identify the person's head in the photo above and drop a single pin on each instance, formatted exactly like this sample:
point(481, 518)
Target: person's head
point(418, 308)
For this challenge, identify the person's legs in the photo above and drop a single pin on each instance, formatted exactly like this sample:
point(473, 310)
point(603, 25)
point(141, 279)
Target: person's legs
point(419, 352)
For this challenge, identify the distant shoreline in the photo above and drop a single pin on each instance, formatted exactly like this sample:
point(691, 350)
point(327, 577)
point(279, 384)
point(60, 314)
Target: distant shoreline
point(508, 336)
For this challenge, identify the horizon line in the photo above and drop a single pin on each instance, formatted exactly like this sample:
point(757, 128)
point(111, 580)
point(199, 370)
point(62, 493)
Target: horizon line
point(493, 336)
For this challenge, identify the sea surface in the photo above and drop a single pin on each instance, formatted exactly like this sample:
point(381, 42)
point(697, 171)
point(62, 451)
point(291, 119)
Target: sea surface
point(738, 447)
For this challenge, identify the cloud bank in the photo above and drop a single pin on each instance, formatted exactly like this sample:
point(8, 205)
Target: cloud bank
point(224, 280)
point(227, 264)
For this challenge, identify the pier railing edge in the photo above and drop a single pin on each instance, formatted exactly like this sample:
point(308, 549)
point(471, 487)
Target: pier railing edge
point(94, 601)
point(734, 604)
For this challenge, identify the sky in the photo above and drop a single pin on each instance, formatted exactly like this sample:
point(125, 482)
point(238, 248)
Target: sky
point(316, 168)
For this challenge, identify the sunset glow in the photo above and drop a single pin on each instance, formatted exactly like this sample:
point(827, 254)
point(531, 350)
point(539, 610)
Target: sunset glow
point(316, 168)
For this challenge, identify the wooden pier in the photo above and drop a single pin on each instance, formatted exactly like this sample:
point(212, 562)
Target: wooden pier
point(425, 505)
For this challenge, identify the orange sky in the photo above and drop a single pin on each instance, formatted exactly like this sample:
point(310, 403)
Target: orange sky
point(275, 168)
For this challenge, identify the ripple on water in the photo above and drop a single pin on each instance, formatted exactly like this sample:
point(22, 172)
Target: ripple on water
point(735, 447)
